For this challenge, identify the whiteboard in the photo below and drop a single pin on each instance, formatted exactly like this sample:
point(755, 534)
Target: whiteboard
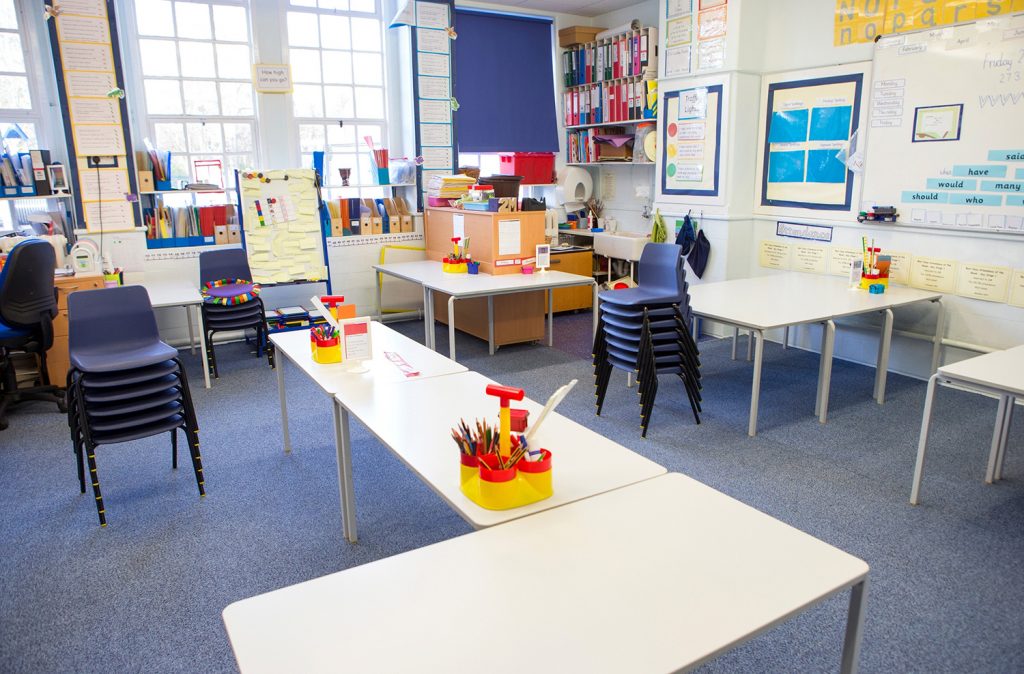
point(946, 138)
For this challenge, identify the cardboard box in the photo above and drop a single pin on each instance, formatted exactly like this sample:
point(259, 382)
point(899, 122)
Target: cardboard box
point(234, 234)
point(607, 151)
point(146, 183)
point(574, 35)
point(220, 234)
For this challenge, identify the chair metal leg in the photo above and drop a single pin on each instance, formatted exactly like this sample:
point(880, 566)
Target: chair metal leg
point(174, 449)
point(90, 454)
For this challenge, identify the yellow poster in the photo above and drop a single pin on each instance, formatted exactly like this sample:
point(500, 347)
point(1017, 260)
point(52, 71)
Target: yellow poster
point(899, 268)
point(774, 254)
point(861, 20)
point(809, 257)
point(983, 282)
point(840, 258)
point(929, 273)
point(1017, 289)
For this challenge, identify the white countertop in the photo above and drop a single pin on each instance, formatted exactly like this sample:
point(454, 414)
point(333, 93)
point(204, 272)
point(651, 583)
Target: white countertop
point(429, 274)
point(1000, 369)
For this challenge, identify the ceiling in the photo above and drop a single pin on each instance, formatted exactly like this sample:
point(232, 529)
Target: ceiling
point(578, 7)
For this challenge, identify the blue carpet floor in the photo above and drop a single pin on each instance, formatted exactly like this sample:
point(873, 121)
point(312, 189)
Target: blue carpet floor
point(146, 593)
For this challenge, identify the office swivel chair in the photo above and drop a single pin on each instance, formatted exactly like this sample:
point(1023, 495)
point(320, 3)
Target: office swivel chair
point(28, 305)
point(216, 265)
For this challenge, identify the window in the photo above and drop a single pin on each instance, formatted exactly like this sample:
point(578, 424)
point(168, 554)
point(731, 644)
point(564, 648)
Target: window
point(336, 51)
point(195, 62)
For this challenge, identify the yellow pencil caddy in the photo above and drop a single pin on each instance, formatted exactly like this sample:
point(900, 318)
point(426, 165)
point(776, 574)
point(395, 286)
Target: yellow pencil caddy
point(495, 488)
point(327, 351)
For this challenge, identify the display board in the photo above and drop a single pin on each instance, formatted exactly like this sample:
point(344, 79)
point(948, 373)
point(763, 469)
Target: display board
point(281, 221)
point(807, 122)
point(691, 140)
point(946, 139)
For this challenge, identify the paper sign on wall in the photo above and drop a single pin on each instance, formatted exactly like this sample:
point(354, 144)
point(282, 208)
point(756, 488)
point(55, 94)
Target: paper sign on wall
point(272, 78)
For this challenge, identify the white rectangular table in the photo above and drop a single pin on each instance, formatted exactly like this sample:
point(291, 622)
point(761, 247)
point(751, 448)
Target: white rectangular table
point(767, 302)
point(1000, 374)
point(293, 347)
point(168, 291)
point(429, 275)
point(656, 577)
point(414, 420)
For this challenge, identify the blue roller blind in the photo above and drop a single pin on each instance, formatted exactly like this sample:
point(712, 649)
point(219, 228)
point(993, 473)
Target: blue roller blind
point(504, 84)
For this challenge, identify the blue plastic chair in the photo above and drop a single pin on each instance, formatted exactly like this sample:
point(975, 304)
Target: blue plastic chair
point(28, 305)
point(231, 263)
point(661, 279)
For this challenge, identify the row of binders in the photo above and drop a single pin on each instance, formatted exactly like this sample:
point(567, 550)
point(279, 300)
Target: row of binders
point(620, 101)
point(203, 224)
point(24, 173)
point(354, 217)
point(625, 55)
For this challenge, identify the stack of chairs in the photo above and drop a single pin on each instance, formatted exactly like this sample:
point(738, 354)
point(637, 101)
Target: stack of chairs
point(231, 263)
point(124, 383)
point(646, 331)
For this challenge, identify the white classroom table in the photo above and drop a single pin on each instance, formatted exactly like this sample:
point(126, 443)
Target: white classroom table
point(1000, 374)
point(429, 275)
point(414, 420)
point(293, 346)
point(169, 291)
point(659, 576)
point(780, 301)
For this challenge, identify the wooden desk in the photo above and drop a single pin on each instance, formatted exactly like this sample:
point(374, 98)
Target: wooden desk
point(659, 576)
point(57, 359)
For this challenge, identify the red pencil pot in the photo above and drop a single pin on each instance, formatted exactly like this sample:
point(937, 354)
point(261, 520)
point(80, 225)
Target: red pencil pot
point(498, 487)
point(468, 467)
point(537, 474)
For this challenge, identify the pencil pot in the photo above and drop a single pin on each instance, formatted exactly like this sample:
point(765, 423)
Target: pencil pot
point(328, 351)
point(473, 267)
point(867, 280)
point(536, 475)
point(469, 468)
point(499, 489)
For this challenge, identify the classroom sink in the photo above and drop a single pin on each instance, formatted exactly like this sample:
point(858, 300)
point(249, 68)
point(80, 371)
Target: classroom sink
point(621, 245)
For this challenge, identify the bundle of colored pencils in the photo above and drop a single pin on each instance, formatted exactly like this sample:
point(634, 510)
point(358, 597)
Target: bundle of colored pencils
point(484, 440)
point(324, 332)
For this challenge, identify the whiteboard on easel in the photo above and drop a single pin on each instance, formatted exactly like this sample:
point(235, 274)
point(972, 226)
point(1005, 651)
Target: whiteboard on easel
point(945, 140)
point(284, 239)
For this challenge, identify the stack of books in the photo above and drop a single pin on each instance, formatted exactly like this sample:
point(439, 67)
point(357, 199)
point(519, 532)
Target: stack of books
point(449, 187)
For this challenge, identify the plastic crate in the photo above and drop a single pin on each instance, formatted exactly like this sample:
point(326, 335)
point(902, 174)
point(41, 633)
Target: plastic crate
point(537, 168)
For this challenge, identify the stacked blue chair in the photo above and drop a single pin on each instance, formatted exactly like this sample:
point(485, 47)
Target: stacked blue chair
point(28, 304)
point(124, 383)
point(231, 263)
point(646, 331)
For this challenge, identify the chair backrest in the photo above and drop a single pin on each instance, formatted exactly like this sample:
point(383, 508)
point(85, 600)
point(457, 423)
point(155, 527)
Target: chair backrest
point(220, 264)
point(27, 297)
point(110, 318)
point(661, 267)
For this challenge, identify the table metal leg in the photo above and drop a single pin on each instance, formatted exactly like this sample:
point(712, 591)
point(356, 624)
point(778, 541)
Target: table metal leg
point(284, 404)
point(755, 391)
point(451, 327)
point(997, 438)
point(882, 365)
point(428, 323)
point(1007, 422)
point(378, 279)
point(551, 318)
point(922, 443)
point(490, 324)
point(825, 382)
point(202, 346)
point(940, 329)
point(594, 311)
point(191, 330)
point(854, 627)
point(629, 380)
point(343, 445)
point(785, 337)
point(695, 329)
point(750, 344)
point(735, 338)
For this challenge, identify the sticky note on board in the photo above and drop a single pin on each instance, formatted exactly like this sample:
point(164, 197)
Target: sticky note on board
point(307, 244)
point(259, 257)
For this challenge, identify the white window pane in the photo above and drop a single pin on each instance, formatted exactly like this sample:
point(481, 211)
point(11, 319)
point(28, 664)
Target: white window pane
point(8, 17)
point(311, 137)
point(154, 18)
point(204, 137)
point(303, 3)
point(201, 98)
point(366, 170)
point(364, 6)
point(308, 101)
point(193, 20)
point(339, 137)
point(305, 65)
point(334, 32)
point(196, 59)
point(11, 57)
point(236, 162)
point(170, 137)
point(490, 164)
point(230, 23)
point(233, 61)
point(337, 67)
point(237, 137)
point(370, 102)
point(340, 161)
point(338, 102)
point(19, 136)
point(181, 169)
point(302, 30)
point(368, 69)
point(159, 58)
point(163, 97)
point(334, 4)
point(236, 99)
point(371, 130)
point(366, 34)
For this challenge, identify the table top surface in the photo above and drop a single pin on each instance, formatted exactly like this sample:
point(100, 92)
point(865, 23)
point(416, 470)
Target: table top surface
point(414, 419)
point(335, 377)
point(765, 302)
point(169, 291)
point(1003, 370)
point(428, 273)
point(654, 577)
